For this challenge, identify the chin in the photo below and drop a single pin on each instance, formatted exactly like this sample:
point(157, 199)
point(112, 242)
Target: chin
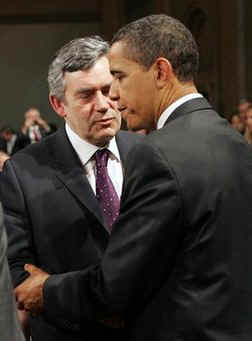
point(131, 125)
point(104, 139)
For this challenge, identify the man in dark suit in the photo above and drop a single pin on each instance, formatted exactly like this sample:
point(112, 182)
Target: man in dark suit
point(53, 217)
point(11, 141)
point(9, 326)
point(178, 264)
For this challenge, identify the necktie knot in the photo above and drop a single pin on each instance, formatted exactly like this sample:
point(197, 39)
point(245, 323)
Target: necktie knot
point(101, 157)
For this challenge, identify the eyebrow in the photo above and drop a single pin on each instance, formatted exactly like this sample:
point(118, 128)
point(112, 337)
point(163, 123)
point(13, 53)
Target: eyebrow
point(84, 90)
point(91, 89)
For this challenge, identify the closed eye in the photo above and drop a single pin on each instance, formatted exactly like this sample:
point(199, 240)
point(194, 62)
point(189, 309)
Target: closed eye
point(105, 90)
point(84, 94)
point(117, 75)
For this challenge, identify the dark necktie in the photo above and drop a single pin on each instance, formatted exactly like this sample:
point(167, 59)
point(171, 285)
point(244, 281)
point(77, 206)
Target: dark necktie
point(36, 134)
point(105, 191)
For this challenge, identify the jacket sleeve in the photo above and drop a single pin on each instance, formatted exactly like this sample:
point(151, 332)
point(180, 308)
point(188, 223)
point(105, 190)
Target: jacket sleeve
point(17, 223)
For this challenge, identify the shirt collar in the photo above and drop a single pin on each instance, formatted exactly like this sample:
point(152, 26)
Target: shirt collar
point(164, 116)
point(86, 150)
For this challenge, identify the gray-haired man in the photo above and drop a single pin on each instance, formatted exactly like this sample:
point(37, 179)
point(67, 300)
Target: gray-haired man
point(53, 217)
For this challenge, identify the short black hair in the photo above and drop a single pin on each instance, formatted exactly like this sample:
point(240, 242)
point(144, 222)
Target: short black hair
point(160, 35)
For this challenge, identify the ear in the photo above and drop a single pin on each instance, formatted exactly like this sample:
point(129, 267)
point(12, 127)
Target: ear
point(162, 72)
point(57, 105)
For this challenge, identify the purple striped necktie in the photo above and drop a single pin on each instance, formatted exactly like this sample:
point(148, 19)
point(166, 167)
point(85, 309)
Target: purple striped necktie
point(105, 191)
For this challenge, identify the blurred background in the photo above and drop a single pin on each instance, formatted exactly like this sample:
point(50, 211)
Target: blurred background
point(31, 31)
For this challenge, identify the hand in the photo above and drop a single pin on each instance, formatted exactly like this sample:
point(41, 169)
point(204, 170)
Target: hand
point(42, 123)
point(27, 124)
point(29, 294)
point(3, 158)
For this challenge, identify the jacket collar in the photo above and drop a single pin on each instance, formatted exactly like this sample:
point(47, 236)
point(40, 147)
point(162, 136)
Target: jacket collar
point(189, 107)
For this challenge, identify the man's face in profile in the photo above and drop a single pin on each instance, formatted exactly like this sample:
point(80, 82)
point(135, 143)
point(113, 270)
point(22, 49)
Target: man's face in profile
point(133, 87)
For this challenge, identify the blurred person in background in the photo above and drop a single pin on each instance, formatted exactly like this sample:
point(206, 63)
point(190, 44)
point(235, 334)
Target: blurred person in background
point(248, 128)
point(241, 112)
point(237, 123)
point(35, 127)
point(12, 141)
point(3, 157)
point(242, 108)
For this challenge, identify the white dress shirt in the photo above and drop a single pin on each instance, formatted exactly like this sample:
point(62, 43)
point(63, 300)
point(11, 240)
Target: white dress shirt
point(86, 150)
point(11, 143)
point(164, 116)
point(34, 133)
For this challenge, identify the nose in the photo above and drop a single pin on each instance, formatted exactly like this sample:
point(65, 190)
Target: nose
point(102, 102)
point(114, 91)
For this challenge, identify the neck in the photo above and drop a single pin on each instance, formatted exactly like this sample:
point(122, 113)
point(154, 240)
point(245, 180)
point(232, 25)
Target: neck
point(172, 93)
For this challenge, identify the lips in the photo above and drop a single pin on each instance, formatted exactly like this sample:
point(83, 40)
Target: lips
point(105, 120)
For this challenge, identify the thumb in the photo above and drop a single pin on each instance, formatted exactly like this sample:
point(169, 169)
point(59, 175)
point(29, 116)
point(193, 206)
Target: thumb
point(30, 268)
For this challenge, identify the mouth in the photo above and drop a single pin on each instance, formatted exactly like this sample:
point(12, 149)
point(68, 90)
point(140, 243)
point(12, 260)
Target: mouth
point(105, 121)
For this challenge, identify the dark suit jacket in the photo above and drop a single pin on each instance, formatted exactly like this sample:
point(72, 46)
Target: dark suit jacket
point(53, 220)
point(21, 142)
point(9, 325)
point(178, 264)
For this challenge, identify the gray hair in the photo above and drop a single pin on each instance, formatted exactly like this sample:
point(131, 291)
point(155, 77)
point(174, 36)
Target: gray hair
point(159, 35)
point(78, 54)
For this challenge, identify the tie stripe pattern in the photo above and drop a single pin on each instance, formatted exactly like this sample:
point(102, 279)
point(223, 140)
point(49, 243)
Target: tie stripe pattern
point(105, 191)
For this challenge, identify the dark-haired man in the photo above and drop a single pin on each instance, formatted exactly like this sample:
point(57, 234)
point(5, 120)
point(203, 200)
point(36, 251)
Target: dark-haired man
point(178, 264)
point(11, 141)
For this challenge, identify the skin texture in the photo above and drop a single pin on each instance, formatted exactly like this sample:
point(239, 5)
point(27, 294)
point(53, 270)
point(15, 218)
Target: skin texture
point(143, 94)
point(87, 107)
point(32, 116)
point(31, 290)
point(249, 120)
point(134, 89)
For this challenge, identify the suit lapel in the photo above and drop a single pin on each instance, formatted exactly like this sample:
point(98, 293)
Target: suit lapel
point(189, 107)
point(125, 141)
point(70, 172)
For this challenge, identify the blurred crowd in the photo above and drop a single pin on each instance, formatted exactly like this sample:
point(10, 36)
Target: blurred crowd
point(242, 119)
point(33, 129)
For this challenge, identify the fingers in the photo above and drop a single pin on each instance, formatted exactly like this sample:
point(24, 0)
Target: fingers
point(30, 268)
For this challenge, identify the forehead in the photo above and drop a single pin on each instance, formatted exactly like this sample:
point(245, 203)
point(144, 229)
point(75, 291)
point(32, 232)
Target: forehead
point(119, 60)
point(98, 75)
point(32, 112)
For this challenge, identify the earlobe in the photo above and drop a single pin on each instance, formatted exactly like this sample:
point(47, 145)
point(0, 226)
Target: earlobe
point(163, 71)
point(57, 105)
